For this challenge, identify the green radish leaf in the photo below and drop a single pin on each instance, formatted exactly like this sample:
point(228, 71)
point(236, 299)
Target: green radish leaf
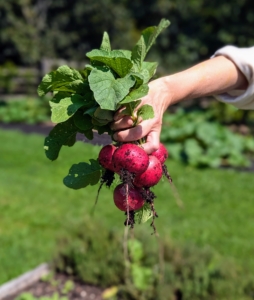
point(125, 53)
point(146, 75)
point(98, 122)
point(90, 111)
point(130, 107)
point(115, 60)
point(88, 134)
point(104, 114)
point(99, 66)
point(108, 91)
point(83, 174)
point(82, 121)
point(139, 79)
point(139, 53)
point(136, 94)
point(64, 108)
point(146, 40)
point(63, 134)
point(150, 67)
point(145, 112)
point(103, 129)
point(144, 214)
point(105, 44)
point(63, 79)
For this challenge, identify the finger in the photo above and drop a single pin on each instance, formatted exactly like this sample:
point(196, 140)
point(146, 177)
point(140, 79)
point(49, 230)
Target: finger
point(133, 134)
point(123, 123)
point(152, 142)
point(129, 135)
point(119, 113)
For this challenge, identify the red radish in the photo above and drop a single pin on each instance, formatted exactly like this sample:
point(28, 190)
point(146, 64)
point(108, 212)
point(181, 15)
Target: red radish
point(152, 174)
point(135, 199)
point(161, 153)
point(130, 157)
point(105, 157)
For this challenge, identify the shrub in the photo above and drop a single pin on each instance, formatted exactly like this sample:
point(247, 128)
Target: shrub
point(153, 271)
point(28, 110)
point(197, 139)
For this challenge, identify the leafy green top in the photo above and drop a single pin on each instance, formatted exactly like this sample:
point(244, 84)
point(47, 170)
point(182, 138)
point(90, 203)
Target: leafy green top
point(83, 101)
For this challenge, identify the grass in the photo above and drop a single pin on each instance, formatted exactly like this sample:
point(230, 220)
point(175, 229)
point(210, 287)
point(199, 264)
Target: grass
point(36, 208)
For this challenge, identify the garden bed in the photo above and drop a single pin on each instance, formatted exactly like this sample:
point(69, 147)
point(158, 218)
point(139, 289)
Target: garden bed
point(63, 285)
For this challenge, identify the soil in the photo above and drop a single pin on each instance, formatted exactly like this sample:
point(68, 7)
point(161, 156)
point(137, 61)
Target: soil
point(79, 290)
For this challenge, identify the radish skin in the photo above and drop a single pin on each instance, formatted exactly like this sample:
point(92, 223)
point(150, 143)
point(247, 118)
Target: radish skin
point(161, 153)
point(152, 174)
point(105, 157)
point(130, 157)
point(135, 199)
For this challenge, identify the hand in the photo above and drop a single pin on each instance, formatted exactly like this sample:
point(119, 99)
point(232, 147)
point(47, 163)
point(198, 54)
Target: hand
point(158, 97)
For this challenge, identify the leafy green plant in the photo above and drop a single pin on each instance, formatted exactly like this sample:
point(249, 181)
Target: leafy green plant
point(183, 271)
point(84, 101)
point(29, 296)
point(142, 276)
point(68, 287)
point(27, 110)
point(193, 137)
point(8, 71)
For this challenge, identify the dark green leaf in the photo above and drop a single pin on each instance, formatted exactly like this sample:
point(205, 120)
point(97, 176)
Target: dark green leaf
point(130, 107)
point(150, 67)
point(146, 40)
point(115, 60)
point(82, 121)
point(108, 91)
point(105, 44)
point(139, 79)
point(83, 174)
point(98, 122)
point(103, 129)
point(90, 111)
point(144, 214)
point(63, 79)
point(63, 134)
point(88, 134)
point(136, 94)
point(104, 114)
point(63, 108)
point(145, 112)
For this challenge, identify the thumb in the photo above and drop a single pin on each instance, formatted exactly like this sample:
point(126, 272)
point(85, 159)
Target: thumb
point(152, 142)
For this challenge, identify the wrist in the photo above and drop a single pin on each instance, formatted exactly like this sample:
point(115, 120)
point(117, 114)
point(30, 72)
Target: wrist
point(161, 92)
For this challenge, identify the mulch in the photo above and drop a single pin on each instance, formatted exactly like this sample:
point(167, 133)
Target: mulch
point(58, 284)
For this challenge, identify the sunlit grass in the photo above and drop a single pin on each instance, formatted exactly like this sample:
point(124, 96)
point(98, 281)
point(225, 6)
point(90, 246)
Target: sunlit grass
point(36, 208)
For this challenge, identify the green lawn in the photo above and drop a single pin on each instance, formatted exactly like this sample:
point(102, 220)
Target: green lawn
point(36, 208)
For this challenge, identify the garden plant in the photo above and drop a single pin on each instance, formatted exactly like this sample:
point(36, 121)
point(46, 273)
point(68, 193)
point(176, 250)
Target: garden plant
point(86, 100)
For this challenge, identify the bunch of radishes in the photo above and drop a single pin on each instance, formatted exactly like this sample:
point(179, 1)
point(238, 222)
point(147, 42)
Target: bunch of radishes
point(138, 172)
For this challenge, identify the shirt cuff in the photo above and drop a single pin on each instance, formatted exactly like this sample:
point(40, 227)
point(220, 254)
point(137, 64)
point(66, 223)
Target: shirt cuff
point(243, 58)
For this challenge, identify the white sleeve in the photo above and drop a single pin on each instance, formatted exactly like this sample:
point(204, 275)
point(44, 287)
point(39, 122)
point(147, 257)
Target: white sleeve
point(243, 58)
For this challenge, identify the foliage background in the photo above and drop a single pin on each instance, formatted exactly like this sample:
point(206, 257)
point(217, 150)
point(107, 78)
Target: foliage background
point(32, 29)
point(217, 201)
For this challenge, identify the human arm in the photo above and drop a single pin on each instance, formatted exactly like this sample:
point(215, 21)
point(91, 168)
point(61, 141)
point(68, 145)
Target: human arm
point(212, 77)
